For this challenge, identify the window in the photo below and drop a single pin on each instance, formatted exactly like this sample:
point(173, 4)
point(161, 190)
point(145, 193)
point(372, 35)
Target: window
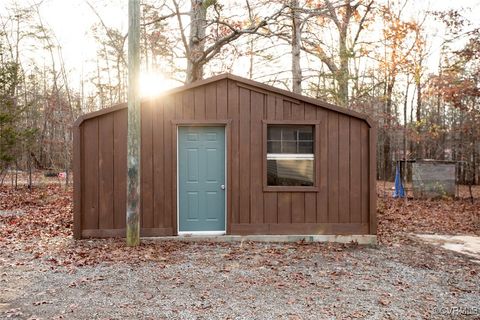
point(290, 155)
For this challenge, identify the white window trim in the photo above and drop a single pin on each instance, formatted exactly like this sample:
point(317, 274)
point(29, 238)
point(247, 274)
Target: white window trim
point(290, 156)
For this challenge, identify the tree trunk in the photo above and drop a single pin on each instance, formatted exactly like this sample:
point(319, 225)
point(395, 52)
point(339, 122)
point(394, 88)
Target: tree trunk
point(473, 145)
point(29, 171)
point(252, 58)
point(16, 175)
point(418, 118)
point(388, 123)
point(405, 103)
point(196, 42)
point(343, 72)
point(296, 45)
point(443, 137)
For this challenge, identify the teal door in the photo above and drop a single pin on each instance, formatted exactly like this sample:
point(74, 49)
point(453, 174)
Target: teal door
point(201, 178)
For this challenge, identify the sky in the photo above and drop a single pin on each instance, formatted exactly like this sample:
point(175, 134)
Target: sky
point(71, 22)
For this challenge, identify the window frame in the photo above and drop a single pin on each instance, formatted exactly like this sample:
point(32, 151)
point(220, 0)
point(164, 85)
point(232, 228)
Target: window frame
point(316, 155)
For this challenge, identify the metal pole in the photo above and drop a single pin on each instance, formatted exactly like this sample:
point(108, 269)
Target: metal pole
point(133, 136)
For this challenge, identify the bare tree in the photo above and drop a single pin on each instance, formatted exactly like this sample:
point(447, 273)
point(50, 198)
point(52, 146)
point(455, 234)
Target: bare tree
point(296, 46)
point(342, 16)
point(201, 47)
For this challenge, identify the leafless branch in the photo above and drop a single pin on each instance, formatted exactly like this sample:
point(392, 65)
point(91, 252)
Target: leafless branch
point(212, 50)
point(180, 24)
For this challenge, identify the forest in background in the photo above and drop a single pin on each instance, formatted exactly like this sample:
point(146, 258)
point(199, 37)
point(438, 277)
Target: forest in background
point(366, 55)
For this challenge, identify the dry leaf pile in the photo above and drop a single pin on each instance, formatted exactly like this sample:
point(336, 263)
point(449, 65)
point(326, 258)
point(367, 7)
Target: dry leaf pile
point(39, 222)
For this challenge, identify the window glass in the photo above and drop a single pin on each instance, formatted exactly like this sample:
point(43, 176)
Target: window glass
point(305, 135)
point(289, 146)
point(290, 172)
point(274, 133)
point(289, 139)
point(290, 155)
point(289, 133)
point(305, 147)
point(274, 147)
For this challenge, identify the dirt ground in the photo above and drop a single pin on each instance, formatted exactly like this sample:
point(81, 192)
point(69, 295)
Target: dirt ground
point(45, 274)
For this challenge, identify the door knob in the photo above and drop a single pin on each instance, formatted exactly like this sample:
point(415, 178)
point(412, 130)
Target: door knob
point(222, 187)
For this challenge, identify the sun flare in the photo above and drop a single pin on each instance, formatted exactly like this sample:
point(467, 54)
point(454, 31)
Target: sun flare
point(154, 83)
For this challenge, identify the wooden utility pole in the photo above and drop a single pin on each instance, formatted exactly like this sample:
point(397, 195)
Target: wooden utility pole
point(133, 139)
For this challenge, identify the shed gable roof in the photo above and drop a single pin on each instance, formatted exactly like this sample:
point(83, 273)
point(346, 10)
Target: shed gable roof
point(250, 83)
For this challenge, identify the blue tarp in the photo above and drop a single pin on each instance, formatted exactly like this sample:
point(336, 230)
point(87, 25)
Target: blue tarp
point(399, 191)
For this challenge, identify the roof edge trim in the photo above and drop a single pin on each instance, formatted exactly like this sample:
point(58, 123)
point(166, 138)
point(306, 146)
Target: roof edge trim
point(269, 88)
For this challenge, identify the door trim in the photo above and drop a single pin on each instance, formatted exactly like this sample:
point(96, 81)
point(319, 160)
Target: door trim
point(201, 123)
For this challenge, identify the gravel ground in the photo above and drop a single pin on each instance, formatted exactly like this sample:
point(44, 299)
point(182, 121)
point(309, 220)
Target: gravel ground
point(45, 274)
point(245, 281)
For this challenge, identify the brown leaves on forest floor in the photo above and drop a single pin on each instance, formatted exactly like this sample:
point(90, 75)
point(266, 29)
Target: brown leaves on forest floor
point(165, 279)
point(45, 211)
point(39, 222)
point(398, 218)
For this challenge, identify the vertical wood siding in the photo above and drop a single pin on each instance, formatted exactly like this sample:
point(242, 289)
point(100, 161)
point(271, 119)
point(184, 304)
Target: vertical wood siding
point(119, 168)
point(340, 204)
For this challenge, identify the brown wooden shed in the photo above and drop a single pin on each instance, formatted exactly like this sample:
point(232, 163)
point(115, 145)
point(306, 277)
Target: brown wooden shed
point(228, 155)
